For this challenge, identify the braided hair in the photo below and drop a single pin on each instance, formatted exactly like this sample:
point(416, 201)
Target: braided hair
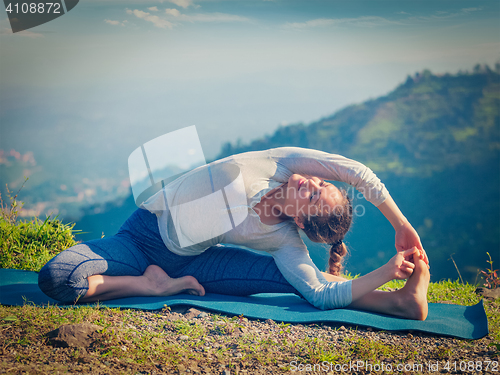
point(332, 229)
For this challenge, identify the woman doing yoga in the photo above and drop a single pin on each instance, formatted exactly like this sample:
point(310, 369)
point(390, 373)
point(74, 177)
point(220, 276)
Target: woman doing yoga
point(180, 241)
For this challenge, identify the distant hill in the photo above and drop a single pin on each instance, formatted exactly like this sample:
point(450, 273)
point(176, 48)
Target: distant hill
point(434, 141)
point(428, 124)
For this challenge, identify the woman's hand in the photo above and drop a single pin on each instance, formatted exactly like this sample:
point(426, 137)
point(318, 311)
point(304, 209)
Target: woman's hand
point(407, 238)
point(399, 266)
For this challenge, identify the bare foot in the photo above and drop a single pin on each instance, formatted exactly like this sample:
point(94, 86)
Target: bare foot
point(163, 285)
point(414, 293)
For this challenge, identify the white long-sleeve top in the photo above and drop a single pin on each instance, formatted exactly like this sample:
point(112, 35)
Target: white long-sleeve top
point(260, 172)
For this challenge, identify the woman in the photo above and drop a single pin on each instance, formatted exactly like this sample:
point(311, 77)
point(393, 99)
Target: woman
point(170, 245)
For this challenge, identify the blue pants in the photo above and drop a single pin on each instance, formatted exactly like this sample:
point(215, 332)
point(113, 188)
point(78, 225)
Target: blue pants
point(220, 269)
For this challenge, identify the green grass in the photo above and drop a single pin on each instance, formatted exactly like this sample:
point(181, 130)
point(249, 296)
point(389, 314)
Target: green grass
point(133, 341)
point(29, 244)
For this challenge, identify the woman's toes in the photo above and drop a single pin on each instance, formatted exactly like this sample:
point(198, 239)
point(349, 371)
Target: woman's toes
point(161, 284)
point(192, 286)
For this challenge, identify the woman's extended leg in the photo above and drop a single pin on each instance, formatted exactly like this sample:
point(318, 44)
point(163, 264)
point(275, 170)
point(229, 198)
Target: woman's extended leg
point(409, 302)
point(220, 269)
point(135, 262)
point(234, 271)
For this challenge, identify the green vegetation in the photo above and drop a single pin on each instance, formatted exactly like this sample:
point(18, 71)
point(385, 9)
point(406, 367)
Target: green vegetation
point(435, 137)
point(132, 341)
point(28, 245)
point(146, 342)
point(491, 278)
point(427, 125)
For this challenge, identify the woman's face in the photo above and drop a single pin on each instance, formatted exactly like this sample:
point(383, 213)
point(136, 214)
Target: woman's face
point(310, 196)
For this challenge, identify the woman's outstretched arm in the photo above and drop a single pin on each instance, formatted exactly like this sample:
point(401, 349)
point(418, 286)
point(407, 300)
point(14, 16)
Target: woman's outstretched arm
point(406, 236)
point(339, 168)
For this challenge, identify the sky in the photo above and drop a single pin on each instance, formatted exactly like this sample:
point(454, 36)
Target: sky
point(111, 75)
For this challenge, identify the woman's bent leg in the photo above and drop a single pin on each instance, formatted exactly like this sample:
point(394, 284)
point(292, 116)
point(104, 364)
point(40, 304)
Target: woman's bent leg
point(122, 265)
point(107, 269)
point(65, 277)
point(154, 282)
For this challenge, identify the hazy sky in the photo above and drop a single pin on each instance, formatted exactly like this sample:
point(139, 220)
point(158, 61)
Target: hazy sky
point(125, 72)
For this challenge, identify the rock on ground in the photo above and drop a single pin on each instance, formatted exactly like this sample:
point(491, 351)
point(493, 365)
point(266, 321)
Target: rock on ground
point(76, 335)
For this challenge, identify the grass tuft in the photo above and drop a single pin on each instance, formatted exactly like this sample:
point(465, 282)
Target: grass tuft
point(146, 342)
point(28, 245)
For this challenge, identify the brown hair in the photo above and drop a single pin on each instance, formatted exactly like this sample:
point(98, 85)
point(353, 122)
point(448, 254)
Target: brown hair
point(332, 229)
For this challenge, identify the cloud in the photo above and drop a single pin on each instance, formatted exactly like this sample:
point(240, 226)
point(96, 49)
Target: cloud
point(115, 23)
point(205, 17)
point(439, 15)
point(29, 34)
point(468, 10)
point(213, 17)
point(374, 21)
point(26, 33)
point(178, 16)
point(155, 20)
point(5, 29)
point(173, 12)
point(182, 3)
point(153, 9)
point(365, 21)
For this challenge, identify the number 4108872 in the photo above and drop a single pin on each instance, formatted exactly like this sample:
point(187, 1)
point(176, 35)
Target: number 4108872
point(34, 8)
point(467, 366)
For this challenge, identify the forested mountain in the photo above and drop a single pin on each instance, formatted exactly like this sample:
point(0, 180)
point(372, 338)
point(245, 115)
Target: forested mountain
point(428, 124)
point(435, 143)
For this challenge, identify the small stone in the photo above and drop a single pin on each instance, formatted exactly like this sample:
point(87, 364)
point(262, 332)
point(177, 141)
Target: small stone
point(192, 313)
point(158, 340)
point(410, 336)
point(179, 309)
point(202, 315)
point(488, 293)
point(183, 337)
point(369, 329)
point(269, 321)
point(74, 335)
point(342, 328)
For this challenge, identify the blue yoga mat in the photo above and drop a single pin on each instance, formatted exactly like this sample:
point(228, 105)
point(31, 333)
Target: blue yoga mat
point(468, 322)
